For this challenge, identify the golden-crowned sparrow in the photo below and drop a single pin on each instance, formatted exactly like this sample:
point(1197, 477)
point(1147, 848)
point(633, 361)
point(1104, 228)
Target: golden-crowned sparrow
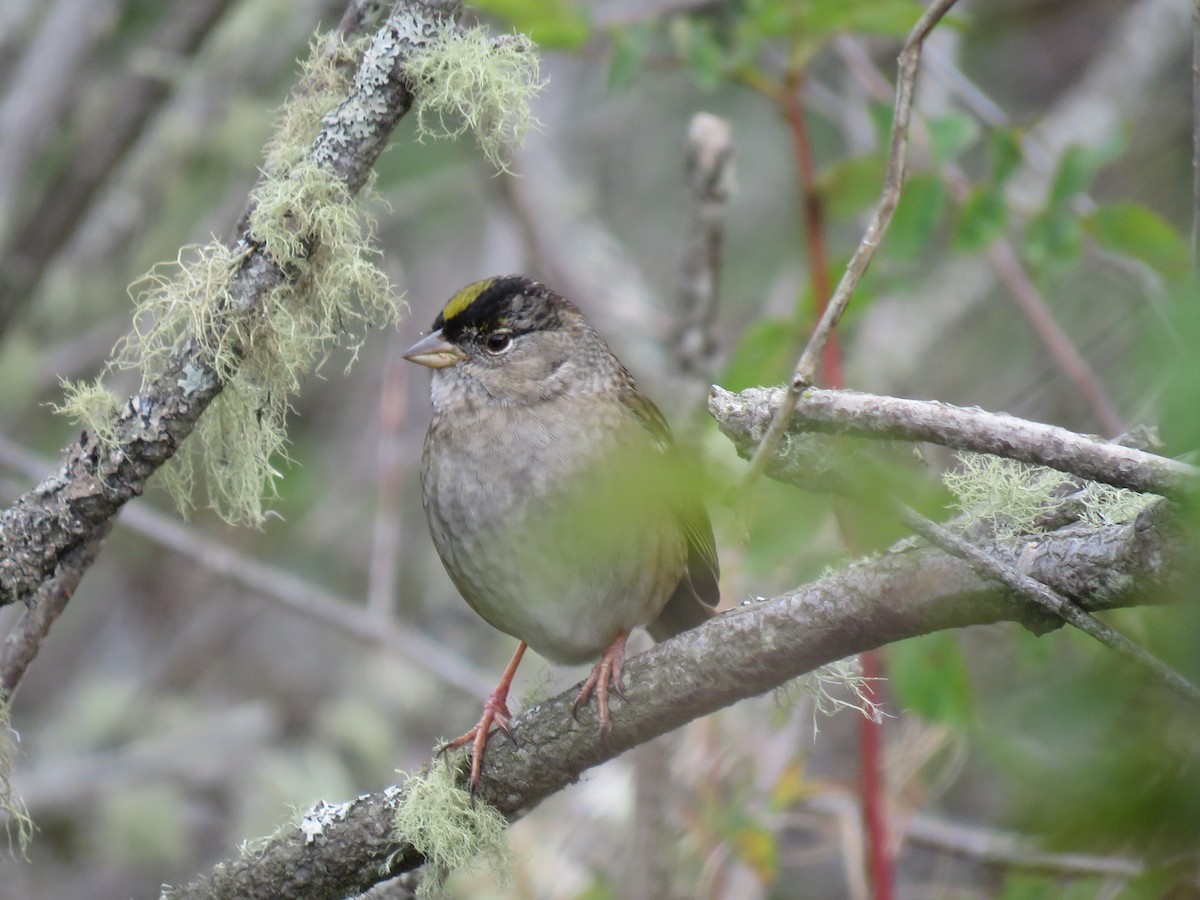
point(555, 496)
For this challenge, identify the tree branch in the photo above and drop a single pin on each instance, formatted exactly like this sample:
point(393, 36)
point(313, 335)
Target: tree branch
point(739, 654)
point(743, 418)
point(95, 482)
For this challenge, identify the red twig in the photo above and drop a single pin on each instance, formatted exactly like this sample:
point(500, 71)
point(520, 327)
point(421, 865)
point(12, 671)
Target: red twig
point(874, 801)
point(813, 203)
point(872, 787)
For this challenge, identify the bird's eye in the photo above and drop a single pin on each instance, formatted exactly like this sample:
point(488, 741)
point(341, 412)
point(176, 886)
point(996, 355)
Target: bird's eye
point(498, 341)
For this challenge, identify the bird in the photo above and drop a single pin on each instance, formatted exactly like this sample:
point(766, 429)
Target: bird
point(557, 500)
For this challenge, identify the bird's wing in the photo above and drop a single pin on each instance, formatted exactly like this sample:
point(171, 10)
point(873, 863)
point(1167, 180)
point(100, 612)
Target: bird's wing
point(703, 570)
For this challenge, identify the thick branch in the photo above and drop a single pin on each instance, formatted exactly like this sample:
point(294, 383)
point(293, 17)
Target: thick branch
point(744, 417)
point(742, 653)
point(95, 482)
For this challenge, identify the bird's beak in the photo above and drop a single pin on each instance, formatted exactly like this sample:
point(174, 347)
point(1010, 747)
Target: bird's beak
point(434, 351)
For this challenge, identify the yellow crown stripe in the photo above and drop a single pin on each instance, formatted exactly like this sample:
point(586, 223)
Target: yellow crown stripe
point(464, 298)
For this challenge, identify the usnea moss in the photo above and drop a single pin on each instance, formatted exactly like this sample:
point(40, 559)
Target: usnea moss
point(1010, 496)
point(11, 805)
point(475, 83)
point(449, 828)
point(334, 292)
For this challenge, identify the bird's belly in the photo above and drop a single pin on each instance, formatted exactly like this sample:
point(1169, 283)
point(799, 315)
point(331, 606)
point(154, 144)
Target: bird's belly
point(570, 585)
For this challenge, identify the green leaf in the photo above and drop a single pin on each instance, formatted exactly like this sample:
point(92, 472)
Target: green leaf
point(1136, 231)
point(1053, 238)
point(850, 185)
point(1006, 154)
point(881, 117)
point(922, 204)
point(951, 134)
point(819, 20)
point(630, 46)
point(1077, 169)
point(930, 678)
point(556, 24)
point(764, 355)
point(696, 41)
point(981, 221)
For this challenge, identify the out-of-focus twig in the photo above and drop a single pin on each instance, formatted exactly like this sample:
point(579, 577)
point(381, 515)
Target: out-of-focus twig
point(385, 546)
point(802, 375)
point(134, 101)
point(1054, 338)
point(710, 183)
point(40, 91)
point(793, 104)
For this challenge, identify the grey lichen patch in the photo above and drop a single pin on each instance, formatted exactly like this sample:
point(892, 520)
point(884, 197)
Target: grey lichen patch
point(449, 828)
point(323, 82)
point(321, 816)
point(17, 823)
point(1007, 495)
point(469, 81)
point(332, 295)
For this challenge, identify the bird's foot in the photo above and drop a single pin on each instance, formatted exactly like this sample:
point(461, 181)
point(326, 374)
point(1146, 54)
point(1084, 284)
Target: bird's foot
point(605, 675)
point(495, 711)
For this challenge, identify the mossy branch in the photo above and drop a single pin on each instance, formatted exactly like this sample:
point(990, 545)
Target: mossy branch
point(235, 327)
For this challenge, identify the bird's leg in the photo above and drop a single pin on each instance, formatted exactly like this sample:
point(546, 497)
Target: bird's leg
point(606, 673)
point(495, 709)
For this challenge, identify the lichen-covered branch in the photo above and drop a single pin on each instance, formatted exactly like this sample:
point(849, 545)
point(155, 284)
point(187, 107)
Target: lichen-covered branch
point(99, 475)
point(744, 418)
point(742, 653)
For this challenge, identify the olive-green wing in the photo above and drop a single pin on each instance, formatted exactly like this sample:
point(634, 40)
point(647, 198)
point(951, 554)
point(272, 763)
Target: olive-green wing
point(698, 592)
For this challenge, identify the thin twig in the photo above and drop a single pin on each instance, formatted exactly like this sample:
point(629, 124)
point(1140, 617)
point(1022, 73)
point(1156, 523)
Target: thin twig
point(1049, 599)
point(803, 374)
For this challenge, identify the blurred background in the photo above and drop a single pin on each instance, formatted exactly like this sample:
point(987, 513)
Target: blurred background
point(208, 681)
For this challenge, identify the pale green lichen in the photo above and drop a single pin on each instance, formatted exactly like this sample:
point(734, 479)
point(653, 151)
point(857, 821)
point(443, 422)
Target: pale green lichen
point(334, 292)
point(1007, 495)
point(449, 828)
point(1012, 496)
point(16, 815)
point(1104, 504)
point(469, 81)
point(91, 405)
